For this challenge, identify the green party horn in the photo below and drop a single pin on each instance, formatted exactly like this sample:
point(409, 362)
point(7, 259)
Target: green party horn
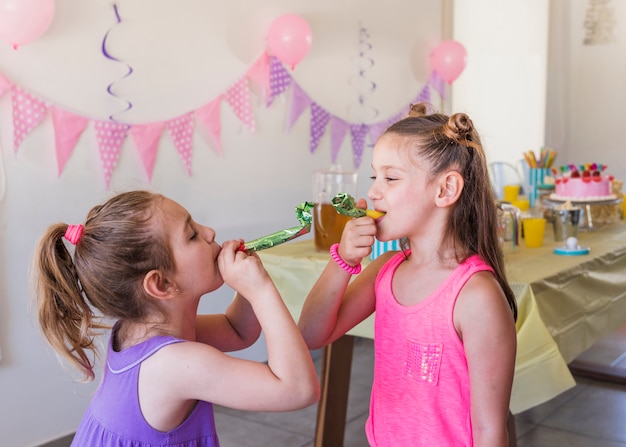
point(304, 214)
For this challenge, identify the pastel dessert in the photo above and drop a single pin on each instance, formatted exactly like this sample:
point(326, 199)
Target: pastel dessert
point(584, 183)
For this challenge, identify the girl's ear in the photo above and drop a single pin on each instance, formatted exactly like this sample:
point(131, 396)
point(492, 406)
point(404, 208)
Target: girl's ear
point(449, 188)
point(158, 286)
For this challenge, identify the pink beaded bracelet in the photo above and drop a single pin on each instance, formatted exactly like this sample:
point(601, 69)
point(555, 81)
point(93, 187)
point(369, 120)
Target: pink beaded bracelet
point(334, 253)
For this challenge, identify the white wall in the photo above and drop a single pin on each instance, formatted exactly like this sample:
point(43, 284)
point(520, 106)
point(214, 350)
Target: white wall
point(587, 89)
point(184, 53)
point(503, 87)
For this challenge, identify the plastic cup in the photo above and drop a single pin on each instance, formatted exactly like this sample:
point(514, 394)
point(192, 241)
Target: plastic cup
point(534, 229)
point(510, 192)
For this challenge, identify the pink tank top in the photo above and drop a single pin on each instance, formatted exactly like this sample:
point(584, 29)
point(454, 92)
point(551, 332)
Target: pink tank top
point(421, 394)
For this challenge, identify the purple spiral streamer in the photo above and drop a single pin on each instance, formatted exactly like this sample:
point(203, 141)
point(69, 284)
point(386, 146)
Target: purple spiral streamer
point(360, 81)
point(129, 105)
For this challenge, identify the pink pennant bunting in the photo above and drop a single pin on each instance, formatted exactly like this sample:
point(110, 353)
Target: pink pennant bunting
point(259, 74)
point(110, 136)
point(5, 85)
point(299, 102)
point(68, 128)
point(319, 121)
point(238, 97)
point(181, 131)
point(358, 133)
point(210, 118)
point(28, 111)
point(146, 138)
point(280, 79)
point(338, 129)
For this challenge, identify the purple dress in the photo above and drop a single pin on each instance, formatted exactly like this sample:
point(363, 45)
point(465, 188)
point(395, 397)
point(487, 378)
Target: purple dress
point(114, 419)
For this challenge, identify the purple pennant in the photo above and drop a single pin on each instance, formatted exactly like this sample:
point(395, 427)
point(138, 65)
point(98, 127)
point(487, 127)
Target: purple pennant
point(280, 79)
point(358, 132)
point(319, 121)
point(299, 102)
point(376, 130)
point(424, 95)
point(438, 84)
point(338, 130)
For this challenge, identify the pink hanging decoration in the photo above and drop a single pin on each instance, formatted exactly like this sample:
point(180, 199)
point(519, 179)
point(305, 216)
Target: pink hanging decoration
point(280, 79)
point(181, 132)
point(338, 130)
point(146, 138)
point(110, 138)
point(289, 38)
point(23, 21)
point(300, 101)
point(28, 111)
point(5, 85)
point(210, 118)
point(448, 59)
point(319, 121)
point(68, 128)
point(259, 74)
point(238, 97)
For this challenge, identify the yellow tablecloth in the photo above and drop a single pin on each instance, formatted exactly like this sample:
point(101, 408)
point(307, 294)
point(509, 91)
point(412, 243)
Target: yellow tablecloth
point(566, 303)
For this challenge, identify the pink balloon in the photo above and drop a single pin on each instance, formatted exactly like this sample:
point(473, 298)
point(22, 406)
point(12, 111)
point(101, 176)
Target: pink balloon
point(22, 21)
point(289, 39)
point(448, 60)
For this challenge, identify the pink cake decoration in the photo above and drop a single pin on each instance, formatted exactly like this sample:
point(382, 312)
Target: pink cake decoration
point(583, 183)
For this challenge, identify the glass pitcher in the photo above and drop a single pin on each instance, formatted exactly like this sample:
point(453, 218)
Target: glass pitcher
point(509, 230)
point(327, 223)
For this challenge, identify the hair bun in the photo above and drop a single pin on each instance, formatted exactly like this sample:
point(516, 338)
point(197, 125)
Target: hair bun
point(417, 110)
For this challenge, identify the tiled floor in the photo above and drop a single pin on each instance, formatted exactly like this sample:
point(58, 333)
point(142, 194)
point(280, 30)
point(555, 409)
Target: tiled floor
point(592, 414)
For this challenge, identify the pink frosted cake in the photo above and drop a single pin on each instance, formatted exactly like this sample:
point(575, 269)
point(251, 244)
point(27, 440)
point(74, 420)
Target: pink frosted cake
point(585, 183)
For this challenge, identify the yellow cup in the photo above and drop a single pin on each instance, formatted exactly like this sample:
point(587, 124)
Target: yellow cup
point(511, 192)
point(534, 229)
point(522, 203)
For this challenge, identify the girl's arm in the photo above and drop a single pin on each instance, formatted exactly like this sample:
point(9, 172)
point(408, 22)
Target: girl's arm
point(335, 305)
point(181, 373)
point(485, 322)
point(236, 329)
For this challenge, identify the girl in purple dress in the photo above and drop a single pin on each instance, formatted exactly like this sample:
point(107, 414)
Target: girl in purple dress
point(142, 263)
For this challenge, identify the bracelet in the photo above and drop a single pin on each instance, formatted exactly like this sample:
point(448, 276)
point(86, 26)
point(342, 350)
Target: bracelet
point(334, 253)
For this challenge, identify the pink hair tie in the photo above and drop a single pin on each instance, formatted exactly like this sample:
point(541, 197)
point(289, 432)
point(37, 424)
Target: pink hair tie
point(73, 233)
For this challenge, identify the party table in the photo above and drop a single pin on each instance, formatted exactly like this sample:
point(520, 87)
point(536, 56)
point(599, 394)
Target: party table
point(566, 303)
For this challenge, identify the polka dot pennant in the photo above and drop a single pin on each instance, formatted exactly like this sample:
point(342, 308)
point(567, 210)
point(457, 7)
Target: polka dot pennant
point(280, 79)
point(110, 136)
point(28, 111)
point(358, 133)
point(238, 97)
point(319, 121)
point(181, 132)
point(146, 138)
point(338, 130)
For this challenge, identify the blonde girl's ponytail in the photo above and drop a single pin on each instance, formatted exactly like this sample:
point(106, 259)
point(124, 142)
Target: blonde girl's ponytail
point(66, 319)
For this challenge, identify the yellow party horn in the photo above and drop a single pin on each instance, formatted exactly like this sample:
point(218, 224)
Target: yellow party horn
point(344, 204)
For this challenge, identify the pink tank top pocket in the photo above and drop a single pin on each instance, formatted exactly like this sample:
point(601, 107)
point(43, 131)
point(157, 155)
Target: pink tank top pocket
point(423, 361)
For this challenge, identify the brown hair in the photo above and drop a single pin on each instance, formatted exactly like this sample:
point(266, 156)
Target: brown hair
point(453, 143)
point(120, 243)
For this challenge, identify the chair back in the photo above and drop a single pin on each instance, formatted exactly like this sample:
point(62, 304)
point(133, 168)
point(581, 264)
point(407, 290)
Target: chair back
point(502, 173)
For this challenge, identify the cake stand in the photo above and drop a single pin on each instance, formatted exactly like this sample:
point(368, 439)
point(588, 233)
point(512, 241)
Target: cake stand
point(589, 221)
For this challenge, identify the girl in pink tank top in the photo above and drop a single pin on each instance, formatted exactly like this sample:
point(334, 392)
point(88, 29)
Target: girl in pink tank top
point(444, 338)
